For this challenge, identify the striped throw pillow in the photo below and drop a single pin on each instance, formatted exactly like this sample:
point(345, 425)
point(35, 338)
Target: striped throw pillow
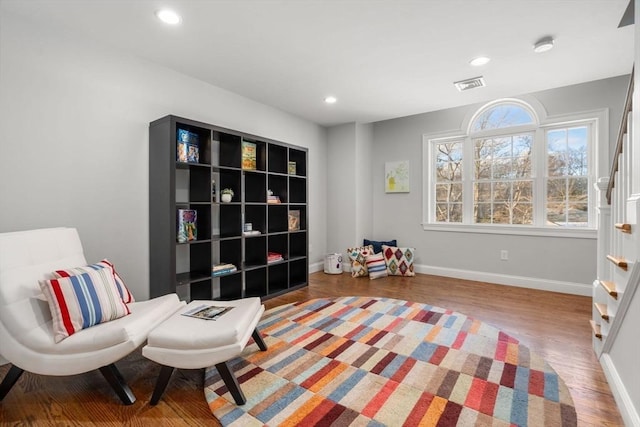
point(81, 301)
point(122, 288)
point(376, 266)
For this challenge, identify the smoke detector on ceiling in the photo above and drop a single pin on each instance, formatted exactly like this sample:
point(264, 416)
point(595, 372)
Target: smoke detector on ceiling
point(469, 83)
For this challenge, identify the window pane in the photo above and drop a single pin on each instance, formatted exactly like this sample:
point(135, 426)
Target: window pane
point(483, 147)
point(455, 212)
point(578, 214)
point(522, 145)
point(501, 168)
point(556, 214)
point(442, 212)
point(522, 191)
point(501, 214)
point(578, 189)
point(448, 161)
point(442, 192)
point(448, 193)
point(523, 213)
point(482, 213)
point(502, 116)
point(556, 164)
point(482, 192)
point(556, 190)
point(483, 169)
point(501, 191)
point(577, 151)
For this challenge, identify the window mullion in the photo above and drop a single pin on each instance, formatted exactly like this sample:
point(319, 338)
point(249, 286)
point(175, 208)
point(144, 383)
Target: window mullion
point(539, 173)
point(467, 182)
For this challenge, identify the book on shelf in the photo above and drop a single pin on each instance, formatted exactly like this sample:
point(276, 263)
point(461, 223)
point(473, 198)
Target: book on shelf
point(274, 257)
point(206, 312)
point(294, 220)
point(273, 199)
point(292, 168)
point(251, 233)
point(188, 150)
point(248, 155)
point(187, 227)
point(221, 269)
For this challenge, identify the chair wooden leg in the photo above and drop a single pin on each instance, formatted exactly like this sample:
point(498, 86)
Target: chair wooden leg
point(161, 384)
point(231, 382)
point(117, 382)
point(9, 380)
point(258, 339)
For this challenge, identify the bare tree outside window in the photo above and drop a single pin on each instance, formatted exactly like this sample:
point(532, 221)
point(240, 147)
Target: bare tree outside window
point(567, 177)
point(448, 189)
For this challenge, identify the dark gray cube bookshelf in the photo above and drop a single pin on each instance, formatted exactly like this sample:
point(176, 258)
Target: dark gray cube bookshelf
point(185, 268)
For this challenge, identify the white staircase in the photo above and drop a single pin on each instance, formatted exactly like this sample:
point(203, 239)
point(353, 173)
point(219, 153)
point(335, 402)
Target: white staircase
point(616, 304)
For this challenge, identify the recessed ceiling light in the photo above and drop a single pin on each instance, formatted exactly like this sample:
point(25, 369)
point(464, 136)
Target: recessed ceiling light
point(543, 45)
point(480, 60)
point(168, 16)
point(330, 99)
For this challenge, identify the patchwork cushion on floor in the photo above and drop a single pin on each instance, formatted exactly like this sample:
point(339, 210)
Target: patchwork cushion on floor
point(358, 258)
point(399, 260)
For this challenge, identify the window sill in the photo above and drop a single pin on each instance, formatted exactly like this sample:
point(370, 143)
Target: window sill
point(573, 233)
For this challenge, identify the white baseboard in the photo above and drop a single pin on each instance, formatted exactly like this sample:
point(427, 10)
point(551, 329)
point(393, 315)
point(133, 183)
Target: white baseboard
point(316, 266)
point(505, 279)
point(628, 412)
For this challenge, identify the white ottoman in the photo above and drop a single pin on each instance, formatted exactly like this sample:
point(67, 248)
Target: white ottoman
point(190, 343)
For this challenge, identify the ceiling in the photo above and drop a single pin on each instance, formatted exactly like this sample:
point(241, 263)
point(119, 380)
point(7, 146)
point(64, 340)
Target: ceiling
point(381, 58)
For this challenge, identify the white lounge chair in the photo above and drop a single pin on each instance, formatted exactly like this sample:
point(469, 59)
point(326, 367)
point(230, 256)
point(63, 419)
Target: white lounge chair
point(26, 333)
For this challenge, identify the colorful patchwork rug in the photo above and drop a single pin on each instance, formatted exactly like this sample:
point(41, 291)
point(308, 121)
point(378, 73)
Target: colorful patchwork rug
point(366, 361)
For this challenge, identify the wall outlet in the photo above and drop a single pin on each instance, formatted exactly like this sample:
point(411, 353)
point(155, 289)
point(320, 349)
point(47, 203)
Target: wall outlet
point(504, 255)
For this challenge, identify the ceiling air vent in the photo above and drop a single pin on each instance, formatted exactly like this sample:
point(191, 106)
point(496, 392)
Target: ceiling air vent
point(469, 83)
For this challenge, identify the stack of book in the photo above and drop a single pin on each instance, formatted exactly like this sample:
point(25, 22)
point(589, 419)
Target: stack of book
point(221, 269)
point(251, 233)
point(273, 199)
point(274, 257)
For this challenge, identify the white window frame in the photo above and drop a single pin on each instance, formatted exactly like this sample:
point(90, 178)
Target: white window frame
point(597, 160)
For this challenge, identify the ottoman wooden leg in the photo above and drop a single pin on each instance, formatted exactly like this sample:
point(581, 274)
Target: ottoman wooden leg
point(258, 339)
point(161, 384)
point(231, 382)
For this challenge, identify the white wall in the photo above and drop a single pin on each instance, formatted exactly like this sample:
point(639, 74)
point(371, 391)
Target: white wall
point(363, 185)
point(74, 120)
point(349, 211)
point(564, 264)
point(341, 174)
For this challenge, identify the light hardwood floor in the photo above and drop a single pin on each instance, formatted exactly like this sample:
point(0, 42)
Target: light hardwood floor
point(553, 325)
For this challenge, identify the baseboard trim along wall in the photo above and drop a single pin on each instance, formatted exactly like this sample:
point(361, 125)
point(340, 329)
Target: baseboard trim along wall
point(625, 404)
point(316, 266)
point(583, 289)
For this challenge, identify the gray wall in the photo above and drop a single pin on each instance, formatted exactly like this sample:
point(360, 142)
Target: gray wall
point(349, 209)
point(544, 260)
point(74, 120)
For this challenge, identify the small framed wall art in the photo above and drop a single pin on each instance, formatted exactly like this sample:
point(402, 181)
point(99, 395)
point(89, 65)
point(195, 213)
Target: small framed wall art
point(396, 177)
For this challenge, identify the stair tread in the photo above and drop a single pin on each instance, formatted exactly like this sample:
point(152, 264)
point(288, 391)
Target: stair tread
point(624, 227)
point(619, 261)
point(597, 331)
point(602, 309)
point(610, 287)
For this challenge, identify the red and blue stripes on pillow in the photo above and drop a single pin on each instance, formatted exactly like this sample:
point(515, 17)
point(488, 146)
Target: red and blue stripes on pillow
point(80, 301)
